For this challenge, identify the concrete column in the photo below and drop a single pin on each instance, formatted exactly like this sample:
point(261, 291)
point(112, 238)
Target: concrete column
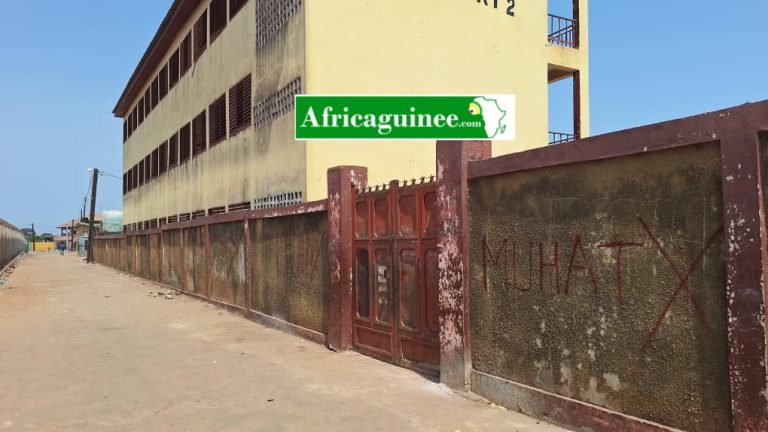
point(453, 242)
point(341, 184)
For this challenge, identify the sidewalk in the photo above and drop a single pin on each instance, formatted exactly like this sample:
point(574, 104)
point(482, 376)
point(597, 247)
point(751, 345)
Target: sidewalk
point(85, 348)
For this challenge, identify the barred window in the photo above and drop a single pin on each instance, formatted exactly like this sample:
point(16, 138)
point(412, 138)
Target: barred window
point(148, 168)
point(276, 105)
point(201, 35)
point(162, 153)
point(240, 106)
point(135, 176)
point(155, 91)
point(173, 69)
point(147, 103)
point(185, 54)
point(218, 10)
point(142, 172)
point(185, 143)
point(173, 151)
point(135, 118)
point(162, 78)
point(235, 6)
point(198, 134)
point(217, 117)
point(271, 16)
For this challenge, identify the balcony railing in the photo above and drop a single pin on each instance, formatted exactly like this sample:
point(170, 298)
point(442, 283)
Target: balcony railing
point(560, 138)
point(563, 31)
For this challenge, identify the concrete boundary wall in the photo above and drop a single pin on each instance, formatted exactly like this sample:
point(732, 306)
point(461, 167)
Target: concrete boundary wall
point(612, 283)
point(12, 243)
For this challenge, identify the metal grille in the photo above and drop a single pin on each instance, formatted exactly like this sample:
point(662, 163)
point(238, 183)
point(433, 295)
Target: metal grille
point(271, 16)
point(173, 150)
point(279, 200)
point(197, 214)
point(235, 6)
point(173, 69)
point(240, 105)
point(562, 31)
point(173, 219)
point(201, 35)
point(184, 217)
point(277, 105)
point(560, 138)
point(185, 143)
point(217, 118)
point(198, 134)
point(185, 54)
point(217, 210)
point(218, 10)
point(239, 207)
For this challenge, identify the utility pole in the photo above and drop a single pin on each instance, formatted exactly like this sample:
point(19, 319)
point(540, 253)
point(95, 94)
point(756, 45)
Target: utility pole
point(92, 220)
point(33, 237)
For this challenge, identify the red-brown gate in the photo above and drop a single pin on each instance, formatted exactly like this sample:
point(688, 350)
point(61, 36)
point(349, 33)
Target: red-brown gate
point(395, 281)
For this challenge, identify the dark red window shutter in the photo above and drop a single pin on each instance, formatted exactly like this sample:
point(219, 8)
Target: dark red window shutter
point(162, 153)
point(218, 10)
point(185, 143)
point(201, 35)
point(198, 134)
point(185, 54)
point(173, 150)
point(162, 79)
point(235, 6)
point(240, 106)
point(217, 118)
point(173, 69)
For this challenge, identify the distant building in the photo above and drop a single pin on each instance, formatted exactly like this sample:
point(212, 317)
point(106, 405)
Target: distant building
point(71, 230)
point(208, 112)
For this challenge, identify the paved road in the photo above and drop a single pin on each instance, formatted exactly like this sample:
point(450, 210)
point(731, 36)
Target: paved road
point(84, 348)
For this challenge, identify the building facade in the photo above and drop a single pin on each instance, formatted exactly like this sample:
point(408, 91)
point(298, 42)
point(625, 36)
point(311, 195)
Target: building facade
point(208, 112)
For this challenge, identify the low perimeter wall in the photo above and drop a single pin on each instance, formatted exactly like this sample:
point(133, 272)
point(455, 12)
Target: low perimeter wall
point(270, 264)
point(12, 243)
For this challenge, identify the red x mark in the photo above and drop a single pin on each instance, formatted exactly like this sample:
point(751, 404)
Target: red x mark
point(682, 278)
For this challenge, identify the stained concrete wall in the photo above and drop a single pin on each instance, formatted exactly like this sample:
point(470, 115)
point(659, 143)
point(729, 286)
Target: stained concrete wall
point(12, 243)
point(605, 282)
point(290, 275)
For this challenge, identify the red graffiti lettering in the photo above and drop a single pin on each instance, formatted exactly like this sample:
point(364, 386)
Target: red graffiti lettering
point(554, 264)
point(577, 246)
point(683, 279)
point(619, 246)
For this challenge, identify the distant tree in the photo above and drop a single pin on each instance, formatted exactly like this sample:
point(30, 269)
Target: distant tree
point(47, 237)
point(27, 233)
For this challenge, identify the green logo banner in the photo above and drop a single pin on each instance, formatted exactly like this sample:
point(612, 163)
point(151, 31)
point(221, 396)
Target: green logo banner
point(405, 117)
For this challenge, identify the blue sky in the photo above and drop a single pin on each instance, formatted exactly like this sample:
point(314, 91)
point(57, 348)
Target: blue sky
point(64, 65)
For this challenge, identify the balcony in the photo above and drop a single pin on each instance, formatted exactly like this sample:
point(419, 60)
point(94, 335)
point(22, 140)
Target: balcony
point(563, 31)
point(560, 138)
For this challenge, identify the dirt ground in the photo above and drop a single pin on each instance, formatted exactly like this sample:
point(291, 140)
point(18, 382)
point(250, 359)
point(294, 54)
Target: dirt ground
point(85, 348)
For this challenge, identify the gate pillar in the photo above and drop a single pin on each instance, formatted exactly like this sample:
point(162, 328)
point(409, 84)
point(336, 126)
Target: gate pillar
point(341, 201)
point(453, 242)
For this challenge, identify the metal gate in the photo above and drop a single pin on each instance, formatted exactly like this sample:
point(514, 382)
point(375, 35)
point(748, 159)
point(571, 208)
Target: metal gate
point(395, 282)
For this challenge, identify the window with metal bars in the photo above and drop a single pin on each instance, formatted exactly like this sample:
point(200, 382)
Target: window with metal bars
point(162, 153)
point(156, 162)
point(155, 91)
point(201, 35)
point(217, 119)
point(173, 150)
point(135, 176)
point(185, 55)
point(185, 143)
point(240, 106)
point(135, 117)
point(162, 78)
point(147, 103)
point(198, 134)
point(173, 69)
point(235, 6)
point(148, 168)
point(218, 10)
